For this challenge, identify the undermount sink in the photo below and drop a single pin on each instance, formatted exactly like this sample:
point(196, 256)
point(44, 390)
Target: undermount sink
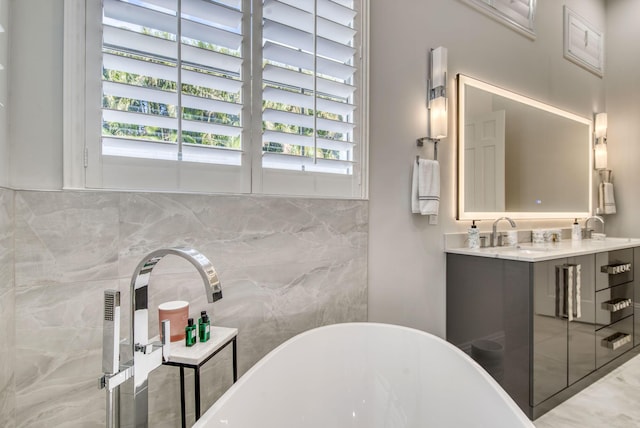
point(522, 249)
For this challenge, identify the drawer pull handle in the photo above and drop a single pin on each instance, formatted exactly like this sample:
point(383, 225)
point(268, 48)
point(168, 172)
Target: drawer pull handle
point(616, 340)
point(616, 305)
point(616, 269)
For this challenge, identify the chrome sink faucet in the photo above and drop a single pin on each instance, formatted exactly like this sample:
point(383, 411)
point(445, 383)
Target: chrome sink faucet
point(144, 357)
point(495, 241)
point(587, 231)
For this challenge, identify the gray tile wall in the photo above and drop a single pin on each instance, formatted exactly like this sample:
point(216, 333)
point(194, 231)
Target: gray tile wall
point(286, 265)
point(7, 312)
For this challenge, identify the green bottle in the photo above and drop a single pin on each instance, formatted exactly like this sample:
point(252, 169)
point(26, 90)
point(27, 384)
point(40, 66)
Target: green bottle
point(204, 327)
point(190, 333)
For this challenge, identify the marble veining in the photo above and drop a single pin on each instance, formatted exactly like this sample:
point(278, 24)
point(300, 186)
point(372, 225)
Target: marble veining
point(610, 402)
point(7, 310)
point(58, 345)
point(65, 237)
point(286, 265)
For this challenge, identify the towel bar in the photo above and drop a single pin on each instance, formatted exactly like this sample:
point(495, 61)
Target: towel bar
point(420, 143)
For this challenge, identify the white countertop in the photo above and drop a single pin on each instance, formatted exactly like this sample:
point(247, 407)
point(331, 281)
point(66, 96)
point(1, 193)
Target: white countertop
point(528, 252)
point(194, 355)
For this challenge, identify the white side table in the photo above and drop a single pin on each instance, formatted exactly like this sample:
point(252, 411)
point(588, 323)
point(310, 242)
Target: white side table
point(195, 356)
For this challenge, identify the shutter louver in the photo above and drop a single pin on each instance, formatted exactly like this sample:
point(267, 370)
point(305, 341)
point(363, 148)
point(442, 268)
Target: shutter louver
point(172, 84)
point(309, 54)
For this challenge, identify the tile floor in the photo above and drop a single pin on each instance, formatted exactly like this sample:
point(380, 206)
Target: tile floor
point(611, 402)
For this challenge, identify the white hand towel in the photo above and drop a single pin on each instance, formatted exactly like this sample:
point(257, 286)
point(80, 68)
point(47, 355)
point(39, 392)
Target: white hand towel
point(425, 191)
point(606, 201)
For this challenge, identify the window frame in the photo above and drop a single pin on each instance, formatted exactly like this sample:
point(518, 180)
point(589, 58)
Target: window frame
point(84, 167)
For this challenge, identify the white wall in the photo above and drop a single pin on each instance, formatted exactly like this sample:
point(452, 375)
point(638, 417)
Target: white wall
point(623, 108)
point(35, 94)
point(4, 55)
point(406, 259)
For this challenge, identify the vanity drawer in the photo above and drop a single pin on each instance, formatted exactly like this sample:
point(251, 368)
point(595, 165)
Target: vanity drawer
point(613, 304)
point(613, 341)
point(614, 268)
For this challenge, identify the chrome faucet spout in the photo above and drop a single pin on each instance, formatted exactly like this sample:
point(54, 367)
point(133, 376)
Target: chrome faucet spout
point(198, 260)
point(494, 230)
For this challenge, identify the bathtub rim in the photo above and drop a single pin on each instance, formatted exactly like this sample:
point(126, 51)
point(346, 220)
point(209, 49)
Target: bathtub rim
point(264, 360)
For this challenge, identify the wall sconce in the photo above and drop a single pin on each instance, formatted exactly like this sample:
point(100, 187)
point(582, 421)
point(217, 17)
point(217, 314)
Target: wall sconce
point(600, 143)
point(437, 95)
point(437, 103)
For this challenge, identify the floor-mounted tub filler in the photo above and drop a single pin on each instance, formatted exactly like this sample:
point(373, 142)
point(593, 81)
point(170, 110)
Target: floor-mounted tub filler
point(127, 364)
point(365, 375)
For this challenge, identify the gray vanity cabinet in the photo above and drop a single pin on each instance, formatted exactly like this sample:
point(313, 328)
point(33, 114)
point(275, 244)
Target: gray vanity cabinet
point(563, 333)
point(489, 317)
point(545, 329)
point(525, 322)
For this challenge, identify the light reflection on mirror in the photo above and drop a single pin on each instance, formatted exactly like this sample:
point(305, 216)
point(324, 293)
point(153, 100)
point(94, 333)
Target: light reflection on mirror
point(520, 157)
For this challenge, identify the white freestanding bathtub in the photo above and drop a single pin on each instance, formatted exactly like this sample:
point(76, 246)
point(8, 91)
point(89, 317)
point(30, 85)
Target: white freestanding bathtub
point(365, 375)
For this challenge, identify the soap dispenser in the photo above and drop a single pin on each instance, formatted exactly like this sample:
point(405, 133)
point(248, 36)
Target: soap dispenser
point(473, 239)
point(576, 231)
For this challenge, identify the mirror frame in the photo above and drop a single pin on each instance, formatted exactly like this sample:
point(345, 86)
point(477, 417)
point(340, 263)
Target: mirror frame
point(464, 81)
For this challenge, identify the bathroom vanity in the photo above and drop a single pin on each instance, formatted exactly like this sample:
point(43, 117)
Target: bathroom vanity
point(545, 320)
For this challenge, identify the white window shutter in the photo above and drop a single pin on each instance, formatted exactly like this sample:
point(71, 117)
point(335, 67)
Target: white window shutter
point(144, 65)
point(520, 11)
point(311, 60)
point(239, 96)
point(517, 14)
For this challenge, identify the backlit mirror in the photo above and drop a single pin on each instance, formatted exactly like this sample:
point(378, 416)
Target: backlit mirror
point(519, 157)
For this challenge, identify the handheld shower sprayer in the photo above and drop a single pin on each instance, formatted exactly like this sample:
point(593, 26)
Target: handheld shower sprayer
point(110, 347)
point(111, 332)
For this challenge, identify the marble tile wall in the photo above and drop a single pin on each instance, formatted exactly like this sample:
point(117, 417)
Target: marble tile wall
point(7, 312)
point(286, 265)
